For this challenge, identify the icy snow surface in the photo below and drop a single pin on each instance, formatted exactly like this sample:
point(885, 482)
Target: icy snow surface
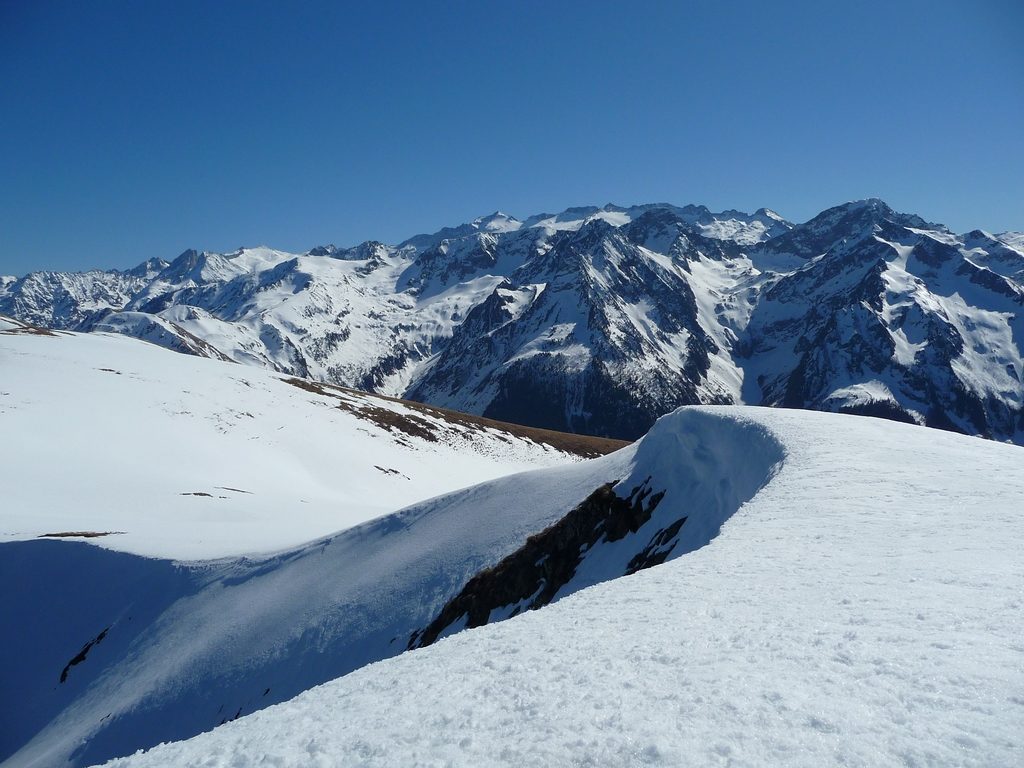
point(863, 609)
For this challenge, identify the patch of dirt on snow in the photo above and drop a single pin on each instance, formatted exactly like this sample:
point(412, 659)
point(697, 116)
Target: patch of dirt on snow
point(24, 328)
point(580, 445)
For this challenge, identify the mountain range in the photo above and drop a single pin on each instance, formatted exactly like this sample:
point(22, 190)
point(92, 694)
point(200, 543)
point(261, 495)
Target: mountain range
point(598, 320)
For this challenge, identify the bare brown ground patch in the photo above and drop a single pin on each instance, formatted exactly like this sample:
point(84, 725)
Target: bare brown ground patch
point(586, 446)
point(26, 329)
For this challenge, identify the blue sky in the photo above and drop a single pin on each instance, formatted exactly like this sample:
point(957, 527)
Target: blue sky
point(137, 129)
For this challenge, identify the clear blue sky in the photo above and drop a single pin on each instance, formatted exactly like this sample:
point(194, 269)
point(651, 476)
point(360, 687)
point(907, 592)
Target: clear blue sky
point(138, 129)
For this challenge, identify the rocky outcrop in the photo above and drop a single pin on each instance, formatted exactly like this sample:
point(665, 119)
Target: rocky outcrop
point(532, 576)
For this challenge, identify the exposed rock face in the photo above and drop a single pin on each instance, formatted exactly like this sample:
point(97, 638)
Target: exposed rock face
point(891, 320)
point(533, 575)
point(599, 320)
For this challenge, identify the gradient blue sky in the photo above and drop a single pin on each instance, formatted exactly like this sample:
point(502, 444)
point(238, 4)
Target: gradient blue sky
point(138, 129)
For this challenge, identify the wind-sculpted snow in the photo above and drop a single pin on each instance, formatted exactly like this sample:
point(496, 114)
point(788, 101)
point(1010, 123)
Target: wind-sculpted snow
point(245, 634)
point(863, 609)
point(689, 474)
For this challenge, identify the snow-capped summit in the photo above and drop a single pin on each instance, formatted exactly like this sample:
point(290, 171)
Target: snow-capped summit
point(497, 222)
point(149, 268)
point(842, 225)
point(768, 213)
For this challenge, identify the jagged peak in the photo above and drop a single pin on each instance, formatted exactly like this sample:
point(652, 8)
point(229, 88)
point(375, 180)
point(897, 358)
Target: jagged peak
point(693, 208)
point(324, 250)
point(870, 203)
point(190, 265)
point(368, 249)
point(768, 213)
point(186, 259)
point(868, 211)
point(151, 266)
point(497, 222)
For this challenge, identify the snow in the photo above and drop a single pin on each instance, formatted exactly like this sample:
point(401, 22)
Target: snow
point(743, 232)
point(863, 608)
point(724, 305)
point(743, 228)
point(864, 393)
point(189, 458)
point(497, 222)
point(615, 218)
point(391, 319)
point(1013, 239)
point(212, 639)
point(560, 338)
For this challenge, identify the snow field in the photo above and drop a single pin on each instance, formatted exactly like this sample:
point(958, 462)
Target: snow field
point(188, 458)
point(863, 609)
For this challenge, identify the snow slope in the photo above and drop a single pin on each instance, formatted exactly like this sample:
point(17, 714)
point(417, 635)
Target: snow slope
point(124, 444)
point(108, 667)
point(188, 458)
point(863, 609)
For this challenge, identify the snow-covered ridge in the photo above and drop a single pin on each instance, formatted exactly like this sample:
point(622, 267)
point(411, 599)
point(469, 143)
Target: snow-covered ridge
point(188, 647)
point(856, 608)
point(607, 317)
point(228, 459)
point(129, 651)
point(155, 458)
point(731, 224)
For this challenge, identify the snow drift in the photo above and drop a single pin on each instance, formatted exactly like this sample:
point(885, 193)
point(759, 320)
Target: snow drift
point(862, 608)
point(221, 639)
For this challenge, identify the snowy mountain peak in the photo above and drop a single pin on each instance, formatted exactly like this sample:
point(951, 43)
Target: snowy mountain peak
point(838, 230)
point(878, 211)
point(370, 249)
point(868, 203)
point(195, 267)
point(768, 213)
point(149, 268)
point(497, 222)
